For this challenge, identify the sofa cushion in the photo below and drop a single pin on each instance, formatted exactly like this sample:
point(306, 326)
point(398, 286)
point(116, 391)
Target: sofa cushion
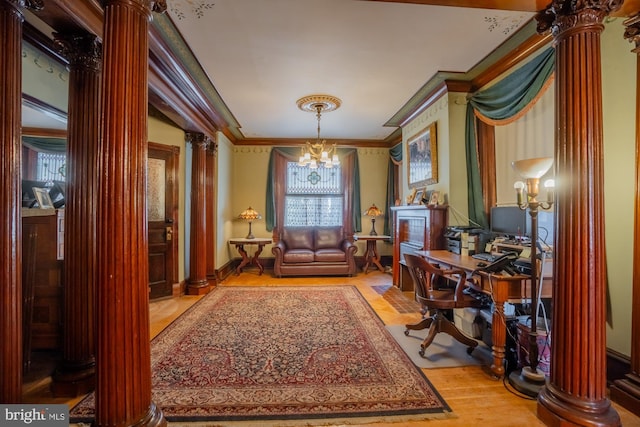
point(329, 237)
point(330, 255)
point(298, 238)
point(298, 256)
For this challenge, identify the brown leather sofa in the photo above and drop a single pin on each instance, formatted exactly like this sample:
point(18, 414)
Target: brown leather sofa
point(314, 251)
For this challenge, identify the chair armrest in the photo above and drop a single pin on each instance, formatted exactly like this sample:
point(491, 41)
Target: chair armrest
point(279, 249)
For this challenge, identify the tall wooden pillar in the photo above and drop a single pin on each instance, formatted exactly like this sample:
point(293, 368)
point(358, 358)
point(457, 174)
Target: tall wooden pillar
point(626, 391)
point(211, 197)
point(11, 19)
point(123, 360)
point(198, 283)
point(577, 391)
point(76, 373)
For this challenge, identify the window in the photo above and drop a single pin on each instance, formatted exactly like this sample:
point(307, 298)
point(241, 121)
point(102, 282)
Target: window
point(313, 197)
point(51, 167)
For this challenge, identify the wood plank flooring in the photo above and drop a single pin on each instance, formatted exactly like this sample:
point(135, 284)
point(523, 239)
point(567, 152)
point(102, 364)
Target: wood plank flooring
point(474, 397)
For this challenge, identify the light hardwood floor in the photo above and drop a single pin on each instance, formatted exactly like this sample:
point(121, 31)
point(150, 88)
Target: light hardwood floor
point(474, 397)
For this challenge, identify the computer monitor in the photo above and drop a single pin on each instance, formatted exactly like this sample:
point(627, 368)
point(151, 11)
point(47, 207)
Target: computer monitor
point(57, 194)
point(510, 221)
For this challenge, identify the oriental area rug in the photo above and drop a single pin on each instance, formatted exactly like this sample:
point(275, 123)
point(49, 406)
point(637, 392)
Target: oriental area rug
point(283, 356)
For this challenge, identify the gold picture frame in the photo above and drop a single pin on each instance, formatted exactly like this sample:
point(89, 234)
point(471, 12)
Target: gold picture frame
point(422, 157)
point(420, 194)
point(411, 197)
point(433, 198)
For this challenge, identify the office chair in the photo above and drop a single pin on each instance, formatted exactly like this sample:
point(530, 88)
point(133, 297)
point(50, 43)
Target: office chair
point(436, 298)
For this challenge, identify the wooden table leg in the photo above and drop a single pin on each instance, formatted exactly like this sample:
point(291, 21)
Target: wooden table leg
point(245, 259)
point(372, 256)
point(256, 261)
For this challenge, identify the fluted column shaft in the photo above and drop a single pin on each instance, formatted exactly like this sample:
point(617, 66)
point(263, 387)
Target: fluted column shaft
point(76, 374)
point(10, 222)
point(123, 362)
point(198, 283)
point(211, 212)
point(577, 391)
point(626, 391)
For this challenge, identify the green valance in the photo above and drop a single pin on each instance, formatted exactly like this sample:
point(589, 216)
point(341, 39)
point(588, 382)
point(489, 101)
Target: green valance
point(502, 103)
point(47, 145)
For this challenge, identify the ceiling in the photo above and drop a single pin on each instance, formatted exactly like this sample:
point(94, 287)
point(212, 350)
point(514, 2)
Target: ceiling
point(262, 56)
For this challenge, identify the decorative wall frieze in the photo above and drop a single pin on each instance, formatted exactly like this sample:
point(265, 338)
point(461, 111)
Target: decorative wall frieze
point(562, 15)
point(159, 6)
point(240, 149)
point(83, 51)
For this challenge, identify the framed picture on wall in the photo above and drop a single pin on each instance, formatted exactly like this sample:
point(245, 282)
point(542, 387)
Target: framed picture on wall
point(422, 155)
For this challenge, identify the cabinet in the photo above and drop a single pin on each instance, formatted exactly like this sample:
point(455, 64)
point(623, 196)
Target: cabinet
point(42, 249)
point(415, 228)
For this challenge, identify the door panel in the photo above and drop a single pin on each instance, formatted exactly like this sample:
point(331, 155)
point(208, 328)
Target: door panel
point(162, 211)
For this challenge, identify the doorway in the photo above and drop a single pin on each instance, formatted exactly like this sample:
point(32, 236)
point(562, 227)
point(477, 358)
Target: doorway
point(162, 218)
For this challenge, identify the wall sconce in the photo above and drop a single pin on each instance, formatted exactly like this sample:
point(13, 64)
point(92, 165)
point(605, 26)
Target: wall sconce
point(373, 212)
point(250, 215)
point(530, 379)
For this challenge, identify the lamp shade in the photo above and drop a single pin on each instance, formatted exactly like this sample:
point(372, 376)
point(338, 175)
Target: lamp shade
point(532, 168)
point(373, 211)
point(249, 214)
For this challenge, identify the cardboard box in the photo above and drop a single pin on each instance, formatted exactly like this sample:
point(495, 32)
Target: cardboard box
point(468, 321)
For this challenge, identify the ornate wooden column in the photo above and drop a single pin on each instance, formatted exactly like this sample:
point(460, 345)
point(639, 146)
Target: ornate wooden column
point(627, 391)
point(76, 373)
point(198, 283)
point(577, 391)
point(123, 361)
point(211, 192)
point(11, 19)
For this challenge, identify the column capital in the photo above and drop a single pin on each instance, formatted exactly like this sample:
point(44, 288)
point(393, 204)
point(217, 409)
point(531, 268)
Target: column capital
point(632, 31)
point(197, 139)
point(562, 15)
point(82, 50)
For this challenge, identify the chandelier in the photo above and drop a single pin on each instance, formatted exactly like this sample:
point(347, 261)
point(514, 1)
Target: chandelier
point(313, 154)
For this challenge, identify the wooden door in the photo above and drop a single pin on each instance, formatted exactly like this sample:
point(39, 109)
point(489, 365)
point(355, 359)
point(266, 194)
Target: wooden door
point(162, 214)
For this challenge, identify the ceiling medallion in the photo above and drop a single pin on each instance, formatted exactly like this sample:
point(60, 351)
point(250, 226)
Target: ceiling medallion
point(316, 153)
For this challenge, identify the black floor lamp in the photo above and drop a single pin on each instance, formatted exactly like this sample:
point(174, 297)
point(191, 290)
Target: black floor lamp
point(530, 379)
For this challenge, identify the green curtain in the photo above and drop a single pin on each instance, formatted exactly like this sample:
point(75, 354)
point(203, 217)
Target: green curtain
point(395, 155)
point(502, 101)
point(47, 145)
point(270, 203)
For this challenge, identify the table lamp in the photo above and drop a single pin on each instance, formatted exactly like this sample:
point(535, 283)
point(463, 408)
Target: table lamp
point(531, 378)
point(250, 215)
point(373, 212)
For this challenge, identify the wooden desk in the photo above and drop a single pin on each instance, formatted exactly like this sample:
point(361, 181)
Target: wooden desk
point(502, 288)
point(371, 255)
point(240, 242)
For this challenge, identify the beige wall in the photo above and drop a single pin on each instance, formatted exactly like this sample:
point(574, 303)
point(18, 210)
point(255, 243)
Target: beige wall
point(166, 134)
point(224, 196)
point(619, 112)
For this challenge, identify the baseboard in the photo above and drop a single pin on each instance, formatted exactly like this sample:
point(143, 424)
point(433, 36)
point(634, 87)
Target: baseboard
point(618, 365)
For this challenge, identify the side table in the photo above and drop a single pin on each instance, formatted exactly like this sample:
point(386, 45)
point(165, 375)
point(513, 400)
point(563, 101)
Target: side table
point(240, 243)
point(371, 254)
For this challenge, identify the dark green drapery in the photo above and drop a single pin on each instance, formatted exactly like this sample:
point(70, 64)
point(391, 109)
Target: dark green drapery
point(292, 153)
point(395, 155)
point(47, 145)
point(502, 101)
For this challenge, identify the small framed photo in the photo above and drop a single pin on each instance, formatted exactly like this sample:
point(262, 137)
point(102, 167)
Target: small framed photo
point(433, 199)
point(42, 196)
point(412, 196)
point(417, 200)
